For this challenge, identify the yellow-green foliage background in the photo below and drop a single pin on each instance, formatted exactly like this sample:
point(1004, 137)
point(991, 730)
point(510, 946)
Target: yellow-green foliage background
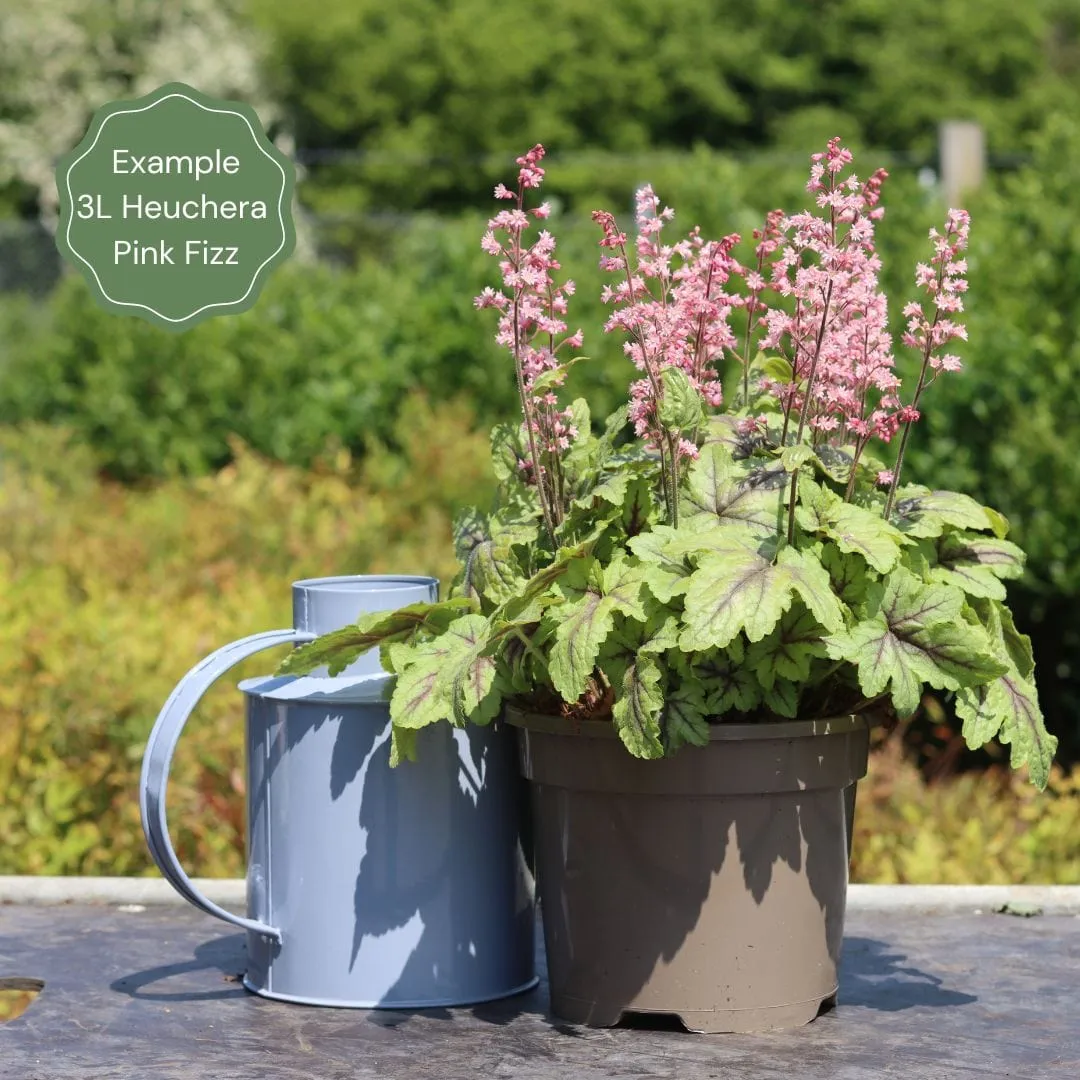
point(109, 594)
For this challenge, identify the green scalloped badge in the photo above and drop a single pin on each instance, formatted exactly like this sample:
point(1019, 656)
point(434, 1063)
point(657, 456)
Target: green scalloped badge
point(175, 207)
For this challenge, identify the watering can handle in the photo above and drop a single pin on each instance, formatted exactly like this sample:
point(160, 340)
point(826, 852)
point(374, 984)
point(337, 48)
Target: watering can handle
point(158, 758)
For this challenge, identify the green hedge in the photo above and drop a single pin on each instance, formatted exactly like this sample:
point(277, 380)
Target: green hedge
point(325, 358)
point(422, 100)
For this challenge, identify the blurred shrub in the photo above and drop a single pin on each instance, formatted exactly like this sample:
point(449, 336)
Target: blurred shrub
point(421, 104)
point(989, 828)
point(108, 595)
point(325, 359)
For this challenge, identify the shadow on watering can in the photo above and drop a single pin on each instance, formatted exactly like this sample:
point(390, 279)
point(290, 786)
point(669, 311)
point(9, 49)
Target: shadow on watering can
point(398, 893)
point(368, 886)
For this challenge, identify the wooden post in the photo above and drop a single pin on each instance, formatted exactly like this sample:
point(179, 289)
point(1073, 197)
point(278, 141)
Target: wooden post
point(962, 149)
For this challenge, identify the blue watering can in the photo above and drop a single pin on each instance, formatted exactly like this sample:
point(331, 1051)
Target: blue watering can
point(367, 887)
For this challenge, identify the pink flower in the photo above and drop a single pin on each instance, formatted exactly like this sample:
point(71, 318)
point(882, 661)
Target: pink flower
point(833, 327)
point(531, 175)
point(531, 324)
point(943, 281)
point(671, 304)
point(885, 477)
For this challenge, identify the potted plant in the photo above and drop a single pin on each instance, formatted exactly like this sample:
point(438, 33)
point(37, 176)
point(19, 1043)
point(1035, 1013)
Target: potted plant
point(691, 626)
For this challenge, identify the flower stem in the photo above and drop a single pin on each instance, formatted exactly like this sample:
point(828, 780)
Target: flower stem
point(806, 408)
point(920, 386)
point(538, 472)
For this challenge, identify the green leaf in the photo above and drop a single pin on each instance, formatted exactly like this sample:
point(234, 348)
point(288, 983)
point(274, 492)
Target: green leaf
point(848, 576)
point(1020, 908)
point(739, 589)
point(855, 530)
point(612, 489)
point(914, 635)
point(658, 634)
point(777, 368)
point(593, 595)
point(1008, 707)
point(811, 581)
point(474, 696)
point(402, 745)
point(680, 407)
point(793, 458)
point(835, 462)
point(639, 509)
point(861, 532)
point(683, 720)
point(492, 571)
point(1017, 646)
point(977, 563)
point(722, 429)
point(420, 696)
point(920, 512)
point(337, 650)
point(508, 452)
point(728, 684)
point(553, 379)
point(715, 493)
point(666, 575)
point(783, 698)
point(667, 581)
point(999, 523)
point(708, 480)
point(484, 548)
point(732, 592)
point(516, 606)
point(448, 678)
point(615, 424)
point(960, 511)
point(788, 651)
point(636, 711)
point(920, 557)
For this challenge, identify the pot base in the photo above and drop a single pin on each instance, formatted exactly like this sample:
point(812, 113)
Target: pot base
point(701, 1022)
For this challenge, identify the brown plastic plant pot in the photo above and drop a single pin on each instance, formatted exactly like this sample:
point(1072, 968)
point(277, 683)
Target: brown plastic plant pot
point(710, 885)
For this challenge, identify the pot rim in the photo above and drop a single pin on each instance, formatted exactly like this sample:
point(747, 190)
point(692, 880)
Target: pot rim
point(365, 582)
point(604, 729)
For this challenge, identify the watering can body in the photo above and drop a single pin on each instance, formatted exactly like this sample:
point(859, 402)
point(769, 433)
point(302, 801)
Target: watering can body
point(368, 887)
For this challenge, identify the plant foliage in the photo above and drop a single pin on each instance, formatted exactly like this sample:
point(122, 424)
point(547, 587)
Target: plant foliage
point(754, 564)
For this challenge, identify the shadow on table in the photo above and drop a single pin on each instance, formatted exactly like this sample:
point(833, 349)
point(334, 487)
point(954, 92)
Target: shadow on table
point(874, 976)
point(224, 953)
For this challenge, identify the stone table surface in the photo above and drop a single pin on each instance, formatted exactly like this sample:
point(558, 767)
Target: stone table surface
point(152, 994)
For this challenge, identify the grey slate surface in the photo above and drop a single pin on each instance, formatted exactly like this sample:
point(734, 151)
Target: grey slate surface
point(152, 994)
